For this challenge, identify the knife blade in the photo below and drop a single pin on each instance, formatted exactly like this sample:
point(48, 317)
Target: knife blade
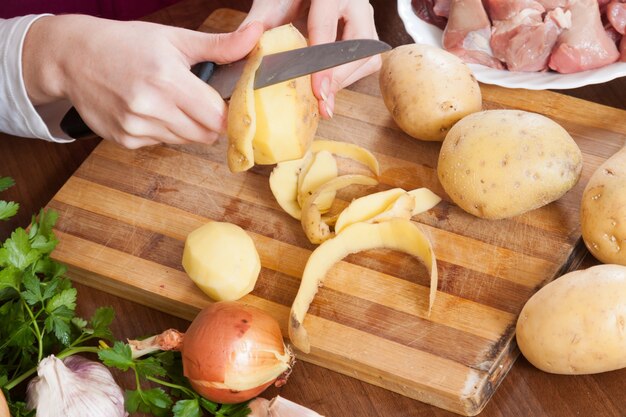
point(284, 66)
point(274, 68)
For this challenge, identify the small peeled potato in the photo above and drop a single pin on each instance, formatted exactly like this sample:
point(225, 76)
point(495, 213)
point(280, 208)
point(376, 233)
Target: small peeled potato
point(497, 164)
point(577, 324)
point(275, 123)
point(222, 261)
point(603, 211)
point(427, 90)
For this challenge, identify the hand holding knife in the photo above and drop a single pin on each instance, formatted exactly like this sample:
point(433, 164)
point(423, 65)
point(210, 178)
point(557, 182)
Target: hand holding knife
point(274, 69)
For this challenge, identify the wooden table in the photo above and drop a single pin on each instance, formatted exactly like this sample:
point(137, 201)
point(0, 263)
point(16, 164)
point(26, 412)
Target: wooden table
point(40, 169)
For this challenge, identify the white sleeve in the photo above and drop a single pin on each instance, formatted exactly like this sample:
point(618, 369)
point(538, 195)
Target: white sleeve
point(18, 116)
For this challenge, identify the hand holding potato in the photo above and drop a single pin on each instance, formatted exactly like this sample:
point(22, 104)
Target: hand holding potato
point(327, 21)
point(131, 81)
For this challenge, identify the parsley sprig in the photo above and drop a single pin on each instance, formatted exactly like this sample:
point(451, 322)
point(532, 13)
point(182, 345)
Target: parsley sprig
point(164, 369)
point(38, 303)
point(38, 318)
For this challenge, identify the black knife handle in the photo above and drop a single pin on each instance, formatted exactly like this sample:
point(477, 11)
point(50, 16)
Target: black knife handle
point(74, 126)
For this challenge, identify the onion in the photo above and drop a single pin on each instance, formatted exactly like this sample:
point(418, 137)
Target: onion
point(232, 352)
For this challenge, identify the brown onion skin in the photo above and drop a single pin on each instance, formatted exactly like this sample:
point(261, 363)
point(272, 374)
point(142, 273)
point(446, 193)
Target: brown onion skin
point(225, 396)
point(209, 341)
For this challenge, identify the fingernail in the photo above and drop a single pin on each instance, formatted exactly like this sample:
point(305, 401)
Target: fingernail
point(329, 111)
point(325, 89)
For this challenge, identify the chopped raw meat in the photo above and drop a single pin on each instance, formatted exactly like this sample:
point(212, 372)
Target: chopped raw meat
point(424, 10)
point(509, 9)
point(442, 8)
point(553, 4)
point(622, 49)
point(585, 45)
point(616, 14)
point(521, 38)
point(468, 32)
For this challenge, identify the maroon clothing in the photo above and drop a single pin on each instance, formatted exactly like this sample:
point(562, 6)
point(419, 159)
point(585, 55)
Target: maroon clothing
point(111, 9)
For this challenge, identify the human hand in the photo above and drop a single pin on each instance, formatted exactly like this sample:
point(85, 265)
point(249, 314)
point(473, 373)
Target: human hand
point(327, 21)
point(130, 81)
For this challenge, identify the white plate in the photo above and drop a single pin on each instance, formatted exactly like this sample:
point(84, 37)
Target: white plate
point(423, 32)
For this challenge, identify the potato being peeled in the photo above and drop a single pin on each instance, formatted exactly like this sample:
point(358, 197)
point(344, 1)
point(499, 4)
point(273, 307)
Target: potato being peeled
point(275, 123)
point(427, 90)
point(603, 211)
point(221, 259)
point(577, 324)
point(497, 164)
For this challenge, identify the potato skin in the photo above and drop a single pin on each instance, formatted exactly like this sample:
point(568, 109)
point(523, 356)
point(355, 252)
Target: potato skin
point(427, 90)
point(577, 324)
point(497, 164)
point(603, 211)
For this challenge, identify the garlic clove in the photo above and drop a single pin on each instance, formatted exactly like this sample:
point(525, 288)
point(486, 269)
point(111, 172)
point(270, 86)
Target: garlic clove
point(74, 387)
point(279, 407)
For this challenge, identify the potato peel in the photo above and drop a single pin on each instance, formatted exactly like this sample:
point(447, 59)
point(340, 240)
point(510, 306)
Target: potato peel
point(321, 169)
point(315, 228)
point(396, 234)
point(284, 186)
point(348, 150)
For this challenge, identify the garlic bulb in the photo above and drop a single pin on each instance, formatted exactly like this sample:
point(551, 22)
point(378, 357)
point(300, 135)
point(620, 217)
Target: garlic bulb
point(74, 387)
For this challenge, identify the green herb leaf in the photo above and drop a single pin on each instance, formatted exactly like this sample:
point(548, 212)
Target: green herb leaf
point(66, 298)
point(8, 209)
point(61, 328)
point(47, 220)
point(233, 410)
point(119, 356)
point(100, 322)
point(80, 323)
point(6, 182)
point(10, 277)
point(210, 406)
point(158, 402)
point(33, 294)
point(187, 408)
point(19, 252)
point(149, 367)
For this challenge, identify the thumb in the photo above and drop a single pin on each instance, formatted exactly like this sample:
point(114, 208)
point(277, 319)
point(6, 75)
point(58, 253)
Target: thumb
point(221, 48)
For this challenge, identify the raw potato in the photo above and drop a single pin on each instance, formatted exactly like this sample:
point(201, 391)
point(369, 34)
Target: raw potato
point(501, 163)
point(603, 211)
point(577, 323)
point(222, 260)
point(397, 234)
point(427, 90)
point(276, 123)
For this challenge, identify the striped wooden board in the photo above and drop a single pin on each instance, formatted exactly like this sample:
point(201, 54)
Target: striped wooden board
point(124, 216)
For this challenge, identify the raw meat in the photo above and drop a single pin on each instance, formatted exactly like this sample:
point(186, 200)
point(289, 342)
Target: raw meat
point(616, 14)
point(520, 37)
point(585, 45)
point(468, 32)
point(442, 8)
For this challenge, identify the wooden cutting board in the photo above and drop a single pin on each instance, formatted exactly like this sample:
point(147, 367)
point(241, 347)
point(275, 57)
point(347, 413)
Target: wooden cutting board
point(124, 216)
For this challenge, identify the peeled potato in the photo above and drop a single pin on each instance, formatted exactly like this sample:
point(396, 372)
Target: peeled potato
point(275, 123)
point(222, 261)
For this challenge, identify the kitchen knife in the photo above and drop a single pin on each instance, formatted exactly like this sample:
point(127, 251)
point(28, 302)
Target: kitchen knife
point(274, 68)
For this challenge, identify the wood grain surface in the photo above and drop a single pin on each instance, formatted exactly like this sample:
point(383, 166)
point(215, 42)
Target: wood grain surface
point(125, 215)
point(40, 169)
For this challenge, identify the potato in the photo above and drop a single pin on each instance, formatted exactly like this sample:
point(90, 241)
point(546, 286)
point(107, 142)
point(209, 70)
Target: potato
point(603, 211)
point(275, 123)
point(501, 163)
point(577, 323)
point(222, 261)
point(427, 90)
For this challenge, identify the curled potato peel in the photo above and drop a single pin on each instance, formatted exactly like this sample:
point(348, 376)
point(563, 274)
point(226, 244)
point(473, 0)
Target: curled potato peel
point(396, 234)
point(315, 228)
